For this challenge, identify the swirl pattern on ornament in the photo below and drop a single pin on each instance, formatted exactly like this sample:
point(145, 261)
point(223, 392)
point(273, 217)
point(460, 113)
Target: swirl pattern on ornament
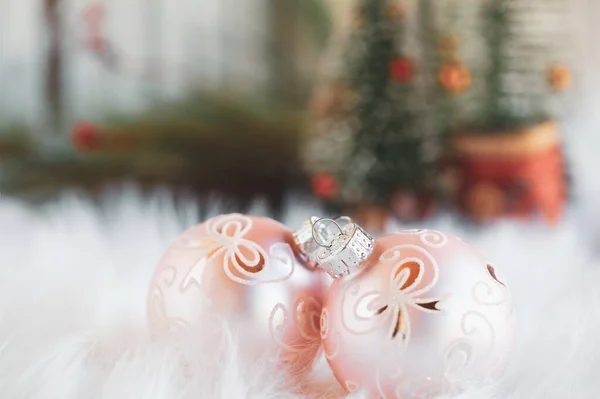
point(407, 288)
point(493, 294)
point(461, 352)
point(488, 295)
point(431, 238)
point(474, 323)
point(157, 316)
point(244, 261)
point(394, 375)
point(434, 239)
point(459, 356)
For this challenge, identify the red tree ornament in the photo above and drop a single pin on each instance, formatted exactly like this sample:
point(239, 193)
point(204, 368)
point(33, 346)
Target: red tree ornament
point(401, 70)
point(324, 185)
point(85, 136)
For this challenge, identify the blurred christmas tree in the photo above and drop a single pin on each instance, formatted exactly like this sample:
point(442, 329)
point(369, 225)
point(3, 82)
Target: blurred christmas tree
point(474, 80)
point(502, 67)
point(372, 145)
point(503, 62)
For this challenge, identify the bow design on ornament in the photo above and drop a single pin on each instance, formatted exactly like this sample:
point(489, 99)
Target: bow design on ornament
point(407, 289)
point(244, 261)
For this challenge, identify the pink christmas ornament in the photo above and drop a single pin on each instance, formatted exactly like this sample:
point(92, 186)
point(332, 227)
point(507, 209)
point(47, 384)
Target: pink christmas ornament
point(244, 268)
point(419, 314)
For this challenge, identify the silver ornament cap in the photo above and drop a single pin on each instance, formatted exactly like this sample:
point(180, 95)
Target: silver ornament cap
point(346, 251)
point(304, 236)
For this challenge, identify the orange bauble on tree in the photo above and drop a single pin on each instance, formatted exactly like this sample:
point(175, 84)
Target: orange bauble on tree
point(559, 77)
point(246, 269)
point(455, 77)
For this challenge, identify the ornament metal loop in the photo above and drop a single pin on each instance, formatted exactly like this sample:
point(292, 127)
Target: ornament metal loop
point(317, 238)
point(311, 235)
point(347, 251)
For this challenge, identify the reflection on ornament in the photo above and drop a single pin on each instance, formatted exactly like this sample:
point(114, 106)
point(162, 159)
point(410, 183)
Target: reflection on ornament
point(455, 78)
point(243, 268)
point(425, 315)
point(559, 77)
point(401, 70)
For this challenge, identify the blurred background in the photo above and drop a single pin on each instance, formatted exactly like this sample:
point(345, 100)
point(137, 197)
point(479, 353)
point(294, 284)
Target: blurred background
point(380, 108)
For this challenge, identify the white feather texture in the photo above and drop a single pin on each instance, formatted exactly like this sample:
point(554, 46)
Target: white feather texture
point(73, 282)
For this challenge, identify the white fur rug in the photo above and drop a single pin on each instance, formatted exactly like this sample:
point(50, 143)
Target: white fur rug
point(73, 281)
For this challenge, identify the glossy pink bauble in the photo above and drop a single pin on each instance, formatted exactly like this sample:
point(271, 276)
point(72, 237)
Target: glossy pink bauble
point(425, 315)
point(244, 268)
